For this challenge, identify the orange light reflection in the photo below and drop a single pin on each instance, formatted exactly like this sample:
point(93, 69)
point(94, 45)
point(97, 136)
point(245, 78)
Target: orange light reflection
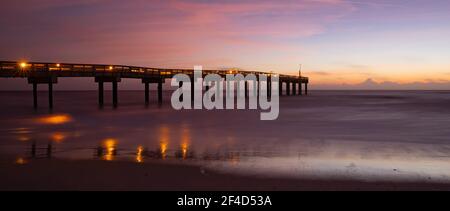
point(55, 119)
point(110, 146)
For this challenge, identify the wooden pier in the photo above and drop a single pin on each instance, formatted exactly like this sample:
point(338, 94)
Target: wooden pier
point(48, 73)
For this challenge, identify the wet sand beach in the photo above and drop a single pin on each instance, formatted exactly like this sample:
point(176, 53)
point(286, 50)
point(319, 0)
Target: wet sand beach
point(163, 176)
point(329, 140)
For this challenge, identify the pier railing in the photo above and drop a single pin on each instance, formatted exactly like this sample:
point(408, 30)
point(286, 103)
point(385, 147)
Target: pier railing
point(27, 69)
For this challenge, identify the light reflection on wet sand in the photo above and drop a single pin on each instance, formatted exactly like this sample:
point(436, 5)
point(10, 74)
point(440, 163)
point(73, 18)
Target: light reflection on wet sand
point(55, 119)
point(109, 150)
point(58, 137)
point(139, 156)
point(359, 160)
point(163, 140)
point(323, 135)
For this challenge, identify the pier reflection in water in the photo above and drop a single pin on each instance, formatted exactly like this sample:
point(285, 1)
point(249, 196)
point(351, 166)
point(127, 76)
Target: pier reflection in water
point(365, 132)
point(86, 133)
point(109, 150)
point(57, 141)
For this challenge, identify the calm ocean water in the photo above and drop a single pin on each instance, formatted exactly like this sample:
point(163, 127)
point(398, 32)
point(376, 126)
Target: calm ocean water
point(369, 135)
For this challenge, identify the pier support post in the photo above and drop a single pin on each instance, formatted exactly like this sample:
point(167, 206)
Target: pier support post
point(50, 95)
point(306, 88)
point(294, 88)
point(49, 80)
point(288, 88)
point(160, 91)
point(147, 95)
point(257, 87)
point(33, 149)
point(269, 87)
point(207, 87)
point(114, 90)
point(100, 94)
point(192, 88)
point(300, 88)
point(180, 84)
point(246, 89)
point(101, 80)
point(280, 88)
point(35, 102)
point(49, 150)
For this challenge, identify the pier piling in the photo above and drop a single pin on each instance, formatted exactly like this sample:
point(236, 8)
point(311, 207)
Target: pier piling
point(192, 88)
point(160, 91)
point(35, 101)
point(288, 88)
point(50, 95)
point(114, 90)
point(246, 89)
point(294, 88)
point(300, 88)
point(47, 73)
point(147, 95)
point(180, 84)
point(100, 93)
point(306, 88)
point(33, 149)
point(257, 87)
point(101, 80)
point(49, 150)
point(35, 80)
point(280, 88)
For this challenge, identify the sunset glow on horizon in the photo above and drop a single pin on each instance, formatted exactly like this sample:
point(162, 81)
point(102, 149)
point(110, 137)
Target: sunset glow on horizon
point(338, 41)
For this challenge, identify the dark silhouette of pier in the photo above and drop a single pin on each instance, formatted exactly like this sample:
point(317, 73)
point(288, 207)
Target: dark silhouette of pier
point(48, 73)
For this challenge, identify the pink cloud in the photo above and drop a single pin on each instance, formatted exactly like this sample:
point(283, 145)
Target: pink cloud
point(155, 32)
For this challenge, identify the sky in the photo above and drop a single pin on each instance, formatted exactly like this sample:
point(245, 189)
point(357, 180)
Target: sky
point(340, 43)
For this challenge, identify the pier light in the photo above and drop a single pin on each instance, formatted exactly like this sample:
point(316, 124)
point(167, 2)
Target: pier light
point(23, 64)
point(110, 67)
point(58, 65)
